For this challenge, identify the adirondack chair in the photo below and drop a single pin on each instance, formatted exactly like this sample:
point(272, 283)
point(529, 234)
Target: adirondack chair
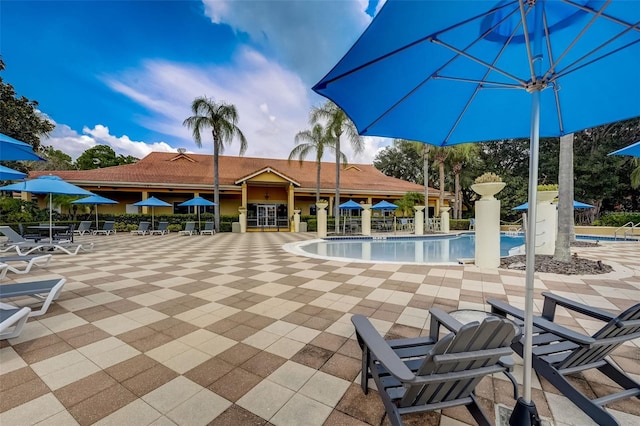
point(425, 374)
point(559, 351)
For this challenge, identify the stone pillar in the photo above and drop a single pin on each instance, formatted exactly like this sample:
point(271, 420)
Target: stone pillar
point(290, 206)
point(244, 194)
point(296, 221)
point(547, 222)
point(242, 218)
point(321, 216)
point(366, 219)
point(418, 221)
point(444, 219)
point(487, 250)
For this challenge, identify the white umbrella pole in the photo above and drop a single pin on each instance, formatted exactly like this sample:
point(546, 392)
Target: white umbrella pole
point(199, 225)
point(51, 217)
point(97, 227)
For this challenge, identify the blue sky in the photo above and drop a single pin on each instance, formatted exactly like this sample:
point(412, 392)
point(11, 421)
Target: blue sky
point(124, 73)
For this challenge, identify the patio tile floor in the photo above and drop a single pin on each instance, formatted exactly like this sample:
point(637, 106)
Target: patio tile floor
point(232, 329)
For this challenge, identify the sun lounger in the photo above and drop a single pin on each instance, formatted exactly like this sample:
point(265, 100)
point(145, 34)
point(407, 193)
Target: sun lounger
point(46, 291)
point(208, 229)
point(143, 229)
point(83, 228)
point(162, 229)
point(13, 317)
point(35, 259)
point(189, 229)
point(108, 228)
point(71, 249)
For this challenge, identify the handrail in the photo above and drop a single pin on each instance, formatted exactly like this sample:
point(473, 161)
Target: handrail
point(631, 231)
point(626, 225)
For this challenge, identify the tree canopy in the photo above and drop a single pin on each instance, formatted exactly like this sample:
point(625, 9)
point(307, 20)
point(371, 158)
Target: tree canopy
point(400, 160)
point(101, 156)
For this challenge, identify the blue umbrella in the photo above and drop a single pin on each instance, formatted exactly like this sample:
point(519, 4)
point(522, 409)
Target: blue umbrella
point(576, 205)
point(350, 205)
point(449, 72)
point(9, 174)
point(152, 202)
point(47, 185)
point(12, 149)
point(632, 150)
point(197, 202)
point(384, 205)
point(95, 200)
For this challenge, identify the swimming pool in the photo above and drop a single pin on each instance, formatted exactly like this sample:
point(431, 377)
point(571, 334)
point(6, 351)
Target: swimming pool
point(445, 249)
point(441, 249)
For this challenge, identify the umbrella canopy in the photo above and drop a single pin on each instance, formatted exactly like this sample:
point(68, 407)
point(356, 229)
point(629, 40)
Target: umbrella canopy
point(197, 202)
point(384, 205)
point(95, 200)
point(12, 149)
point(48, 184)
point(350, 205)
point(9, 174)
point(576, 205)
point(633, 150)
point(152, 202)
point(445, 72)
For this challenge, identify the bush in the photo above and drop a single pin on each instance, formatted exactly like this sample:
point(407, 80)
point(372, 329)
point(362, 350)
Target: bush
point(174, 227)
point(459, 224)
point(617, 219)
point(225, 226)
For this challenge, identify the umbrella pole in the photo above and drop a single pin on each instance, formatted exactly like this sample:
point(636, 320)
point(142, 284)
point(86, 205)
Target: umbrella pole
point(97, 227)
point(51, 217)
point(199, 225)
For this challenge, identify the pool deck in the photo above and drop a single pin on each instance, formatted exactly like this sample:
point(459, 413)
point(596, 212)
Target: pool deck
point(233, 330)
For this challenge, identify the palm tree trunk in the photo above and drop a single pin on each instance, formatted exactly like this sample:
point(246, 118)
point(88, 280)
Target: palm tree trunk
point(565, 200)
point(216, 181)
point(441, 178)
point(456, 207)
point(425, 171)
point(336, 203)
point(319, 163)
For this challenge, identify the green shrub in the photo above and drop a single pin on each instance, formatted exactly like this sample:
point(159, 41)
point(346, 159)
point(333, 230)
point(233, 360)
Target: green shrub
point(174, 227)
point(548, 187)
point(617, 219)
point(225, 226)
point(459, 224)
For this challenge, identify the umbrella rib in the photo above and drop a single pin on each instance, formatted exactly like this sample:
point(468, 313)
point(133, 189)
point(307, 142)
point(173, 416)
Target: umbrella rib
point(604, 15)
point(525, 32)
point(484, 83)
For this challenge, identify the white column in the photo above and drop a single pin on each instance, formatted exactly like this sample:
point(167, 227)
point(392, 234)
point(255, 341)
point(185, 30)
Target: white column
point(366, 219)
point(487, 225)
point(444, 218)
point(418, 221)
point(296, 221)
point(321, 216)
point(242, 218)
point(547, 222)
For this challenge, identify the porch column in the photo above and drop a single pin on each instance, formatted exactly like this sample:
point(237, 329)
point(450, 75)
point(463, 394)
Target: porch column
point(291, 207)
point(244, 194)
point(418, 220)
point(366, 219)
point(145, 195)
point(321, 217)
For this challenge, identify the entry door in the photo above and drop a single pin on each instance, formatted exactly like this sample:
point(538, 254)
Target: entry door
point(267, 215)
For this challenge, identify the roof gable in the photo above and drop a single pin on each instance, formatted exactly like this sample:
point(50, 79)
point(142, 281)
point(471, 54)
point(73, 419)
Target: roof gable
point(267, 174)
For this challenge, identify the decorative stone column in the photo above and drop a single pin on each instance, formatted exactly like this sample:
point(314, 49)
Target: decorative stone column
point(487, 224)
point(444, 219)
point(321, 217)
point(242, 218)
point(366, 219)
point(547, 222)
point(296, 221)
point(418, 221)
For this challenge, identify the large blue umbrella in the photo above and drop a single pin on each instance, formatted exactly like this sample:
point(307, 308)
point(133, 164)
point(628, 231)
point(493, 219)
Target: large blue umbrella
point(95, 200)
point(350, 205)
point(631, 150)
point(47, 184)
point(12, 149)
point(576, 205)
point(384, 205)
point(197, 202)
point(152, 202)
point(449, 72)
point(9, 174)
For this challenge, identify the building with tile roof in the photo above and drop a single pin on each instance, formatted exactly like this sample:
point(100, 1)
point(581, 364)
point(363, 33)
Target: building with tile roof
point(270, 189)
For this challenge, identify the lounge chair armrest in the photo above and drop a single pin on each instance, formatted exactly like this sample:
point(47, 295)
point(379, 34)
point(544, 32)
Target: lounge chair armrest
point(374, 342)
point(503, 308)
point(551, 300)
point(440, 317)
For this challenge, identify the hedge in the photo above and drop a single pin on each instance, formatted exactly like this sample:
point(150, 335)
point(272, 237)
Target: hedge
point(617, 219)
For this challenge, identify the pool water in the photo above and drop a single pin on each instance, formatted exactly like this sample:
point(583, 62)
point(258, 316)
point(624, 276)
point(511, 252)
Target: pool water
point(435, 249)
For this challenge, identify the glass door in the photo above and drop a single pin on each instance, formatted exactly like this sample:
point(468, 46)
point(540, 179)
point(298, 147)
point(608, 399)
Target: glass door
point(267, 215)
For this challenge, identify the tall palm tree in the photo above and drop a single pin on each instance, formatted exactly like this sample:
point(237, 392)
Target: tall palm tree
point(222, 119)
point(315, 141)
point(338, 124)
point(459, 156)
point(562, 252)
point(440, 155)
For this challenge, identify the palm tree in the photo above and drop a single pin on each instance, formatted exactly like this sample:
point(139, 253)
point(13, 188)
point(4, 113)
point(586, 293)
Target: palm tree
point(338, 124)
point(562, 252)
point(440, 155)
point(459, 156)
point(221, 118)
point(315, 141)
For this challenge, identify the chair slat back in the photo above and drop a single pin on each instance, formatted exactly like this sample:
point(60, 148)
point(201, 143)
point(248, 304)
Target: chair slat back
point(190, 226)
point(108, 225)
point(85, 225)
point(12, 235)
point(471, 342)
point(624, 327)
point(208, 226)
point(143, 226)
point(162, 226)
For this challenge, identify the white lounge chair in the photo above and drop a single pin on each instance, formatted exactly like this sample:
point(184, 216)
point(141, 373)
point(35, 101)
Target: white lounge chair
point(208, 229)
point(42, 260)
point(13, 317)
point(46, 291)
point(108, 228)
point(143, 229)
point(71, 249)
point(14, 240)
point(189, 229)
point(162, 229)
point(83, 228)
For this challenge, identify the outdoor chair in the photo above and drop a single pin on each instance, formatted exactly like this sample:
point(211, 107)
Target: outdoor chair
point(31, 237)
point(14, 240)
point(189, 229)
point(559, 351)
point(83, 228)
point(67, 247)
point(45, 291)
point(208, 229)
point(426, 373)
point(13, 317)
point(143, 229)
point(66, 236)
point(108, 228)
point(162, 229)
point(42, 260)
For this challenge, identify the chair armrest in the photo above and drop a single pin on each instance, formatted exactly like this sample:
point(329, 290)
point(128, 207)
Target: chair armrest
point(370, 337)
point(503, 308)
point(551, 300)
point(440, 317)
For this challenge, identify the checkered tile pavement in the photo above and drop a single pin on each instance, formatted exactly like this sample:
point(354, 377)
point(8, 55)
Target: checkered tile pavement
point(233, 330)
